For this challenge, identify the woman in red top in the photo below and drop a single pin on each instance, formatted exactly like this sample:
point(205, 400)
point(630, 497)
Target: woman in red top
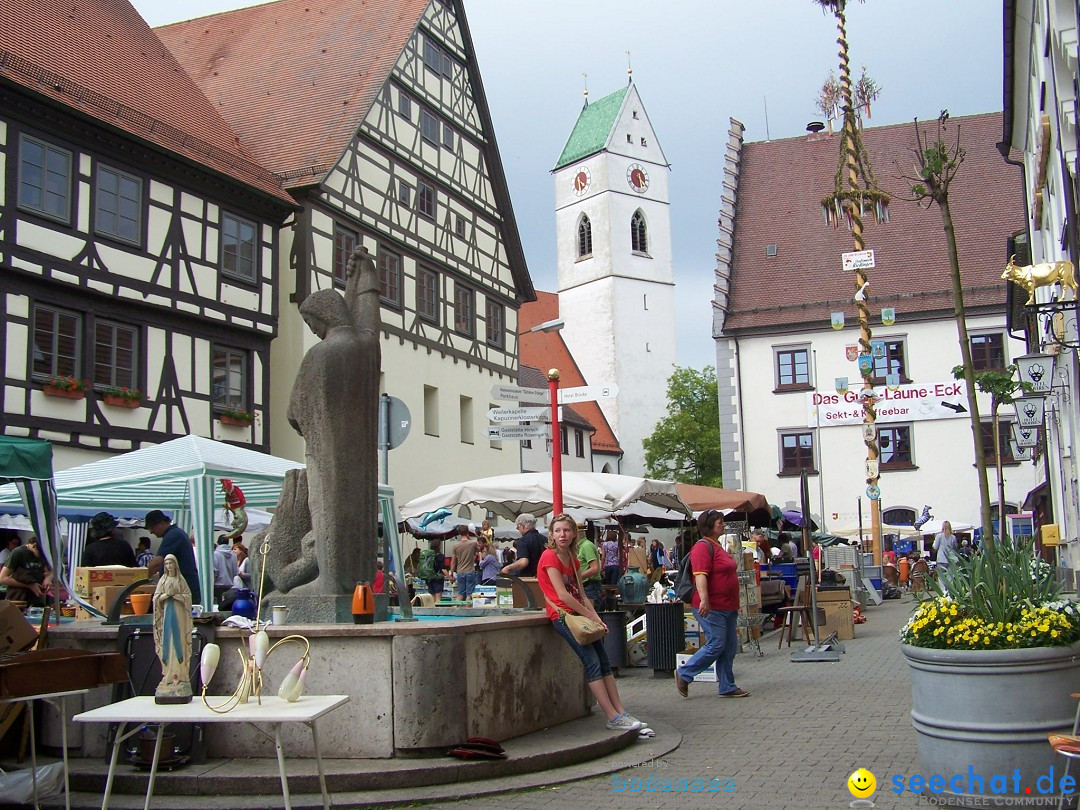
point(716, 607)
point(558, 574)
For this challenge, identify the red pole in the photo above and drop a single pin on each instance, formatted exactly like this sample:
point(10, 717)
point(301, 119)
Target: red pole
point(556, 443)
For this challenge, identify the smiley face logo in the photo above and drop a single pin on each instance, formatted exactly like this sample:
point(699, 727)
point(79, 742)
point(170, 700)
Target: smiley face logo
point(862, 784)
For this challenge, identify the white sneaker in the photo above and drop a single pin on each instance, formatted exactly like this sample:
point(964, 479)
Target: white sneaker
point(629, 716)
point(623, 722)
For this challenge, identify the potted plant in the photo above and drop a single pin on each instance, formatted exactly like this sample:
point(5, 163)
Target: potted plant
point(237, 417)
point(994, 656)
point(65, 386)
point(121, 397)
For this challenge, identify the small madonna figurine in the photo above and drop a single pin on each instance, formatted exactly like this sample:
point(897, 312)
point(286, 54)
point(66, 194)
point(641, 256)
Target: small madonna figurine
point(172, 635)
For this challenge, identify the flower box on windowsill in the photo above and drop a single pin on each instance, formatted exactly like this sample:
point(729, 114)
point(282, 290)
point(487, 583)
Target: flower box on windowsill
point(62, 393)
point(234, 421)
point(121, 402)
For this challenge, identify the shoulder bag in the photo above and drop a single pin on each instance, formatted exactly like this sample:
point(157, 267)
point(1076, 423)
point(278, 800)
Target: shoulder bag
point(584, 630)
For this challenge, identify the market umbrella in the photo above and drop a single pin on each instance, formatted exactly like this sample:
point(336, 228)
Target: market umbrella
point(733, 502)
point(585, 494)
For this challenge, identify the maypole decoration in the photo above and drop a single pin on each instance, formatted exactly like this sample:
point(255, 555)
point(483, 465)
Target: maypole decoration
point(855, 193)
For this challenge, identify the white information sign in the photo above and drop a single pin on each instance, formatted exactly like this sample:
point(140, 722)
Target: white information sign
point(518, 414)
point(908, 403)
point(519, 432)
point(857, 260)
point(515, 393)
point(587, 393)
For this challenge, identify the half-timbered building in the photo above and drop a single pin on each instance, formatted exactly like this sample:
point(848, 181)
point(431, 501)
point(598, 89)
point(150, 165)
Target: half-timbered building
point(374, 113)
point(138, 241)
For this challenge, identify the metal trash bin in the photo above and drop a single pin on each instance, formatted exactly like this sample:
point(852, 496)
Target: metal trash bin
point(665, 631)
point(615, 640)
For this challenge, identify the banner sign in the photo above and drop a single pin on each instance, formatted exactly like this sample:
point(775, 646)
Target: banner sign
point(907, 403)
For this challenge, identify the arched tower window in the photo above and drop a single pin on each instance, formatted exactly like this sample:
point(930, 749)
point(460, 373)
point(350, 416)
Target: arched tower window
point(584, 237)
point(639, 233)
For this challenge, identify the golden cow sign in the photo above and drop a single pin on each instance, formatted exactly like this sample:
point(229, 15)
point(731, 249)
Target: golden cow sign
point(1040, 275)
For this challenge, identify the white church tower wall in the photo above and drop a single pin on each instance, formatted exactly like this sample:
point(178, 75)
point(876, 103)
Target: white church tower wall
point(616, 286)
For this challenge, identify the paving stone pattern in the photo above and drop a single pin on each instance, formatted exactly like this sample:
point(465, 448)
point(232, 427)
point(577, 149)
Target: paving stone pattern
point(792, 743)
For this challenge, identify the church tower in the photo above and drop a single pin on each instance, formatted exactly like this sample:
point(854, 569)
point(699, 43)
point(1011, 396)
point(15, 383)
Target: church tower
point(616, 290)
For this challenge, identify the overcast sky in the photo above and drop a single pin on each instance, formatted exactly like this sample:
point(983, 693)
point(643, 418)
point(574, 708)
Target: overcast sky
point(696, 64)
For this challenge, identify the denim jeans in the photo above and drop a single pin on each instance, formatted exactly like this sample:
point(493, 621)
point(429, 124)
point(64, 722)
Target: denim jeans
point(593, 656)
point(721, 644)
point(594, 592)
point(465, 585)
point(611, 575)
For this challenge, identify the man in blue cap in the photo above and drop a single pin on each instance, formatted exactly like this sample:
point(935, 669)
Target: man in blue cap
point(175, 541)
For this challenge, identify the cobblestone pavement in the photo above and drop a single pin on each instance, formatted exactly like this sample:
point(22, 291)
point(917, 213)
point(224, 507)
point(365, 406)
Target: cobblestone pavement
point(792, 743)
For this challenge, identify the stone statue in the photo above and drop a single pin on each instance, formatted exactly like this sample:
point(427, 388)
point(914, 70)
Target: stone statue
point(334, 406)
point(291, 559)
point(172, 634)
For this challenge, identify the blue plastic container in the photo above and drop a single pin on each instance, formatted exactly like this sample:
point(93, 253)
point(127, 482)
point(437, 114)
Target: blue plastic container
point(786, 571)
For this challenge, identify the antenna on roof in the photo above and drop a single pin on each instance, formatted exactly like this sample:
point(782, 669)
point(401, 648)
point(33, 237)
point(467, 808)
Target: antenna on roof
point(765, 101)
point(629, 70)
point(586, 75)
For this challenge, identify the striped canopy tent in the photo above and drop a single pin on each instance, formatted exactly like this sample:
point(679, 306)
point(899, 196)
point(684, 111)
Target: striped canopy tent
point(179, 477)
point(26, 467)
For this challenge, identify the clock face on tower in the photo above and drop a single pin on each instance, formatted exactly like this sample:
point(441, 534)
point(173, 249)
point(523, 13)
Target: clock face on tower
point(637, 178)
point(581, 181)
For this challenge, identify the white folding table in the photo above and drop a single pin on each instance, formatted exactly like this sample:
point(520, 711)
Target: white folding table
point(50, 698)
point(273, 711)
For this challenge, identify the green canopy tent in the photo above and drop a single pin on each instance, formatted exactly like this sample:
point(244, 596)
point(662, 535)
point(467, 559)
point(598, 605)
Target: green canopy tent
point(26, 467)
point(178, 476)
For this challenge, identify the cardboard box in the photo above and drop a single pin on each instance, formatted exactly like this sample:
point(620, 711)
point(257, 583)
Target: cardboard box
point(87, 579)
point(838, 619)
point(16, 633)
point(837, 595)
point(103, 597)
point(706, 676)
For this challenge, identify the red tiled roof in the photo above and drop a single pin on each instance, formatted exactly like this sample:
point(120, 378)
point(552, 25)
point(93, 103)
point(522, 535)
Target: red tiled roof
point(295, 78)
point(546, 350)
point(101, 59)
point(781, 184)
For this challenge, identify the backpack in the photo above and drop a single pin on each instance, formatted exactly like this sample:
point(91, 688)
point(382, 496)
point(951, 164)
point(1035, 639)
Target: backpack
point(425, 569)
point(685, 587)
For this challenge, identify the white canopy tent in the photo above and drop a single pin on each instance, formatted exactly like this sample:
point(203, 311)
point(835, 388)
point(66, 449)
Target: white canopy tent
point(585, 495)
point(929, 528)
point(179, 477)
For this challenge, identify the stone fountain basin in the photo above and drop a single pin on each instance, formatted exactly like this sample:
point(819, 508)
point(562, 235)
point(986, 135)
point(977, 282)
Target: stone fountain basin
point(416, 688)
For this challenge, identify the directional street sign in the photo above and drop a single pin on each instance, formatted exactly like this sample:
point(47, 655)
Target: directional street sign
point(858, 260)
point(587, 393)
point(514, 393)
point(519, 414)
point(520, 432)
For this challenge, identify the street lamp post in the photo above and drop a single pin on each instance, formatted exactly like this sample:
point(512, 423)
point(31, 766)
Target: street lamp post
point(556, 443)
point(856, 191)
point(556, 434)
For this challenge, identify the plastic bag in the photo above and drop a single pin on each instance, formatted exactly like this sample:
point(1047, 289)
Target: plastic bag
point(17, 787)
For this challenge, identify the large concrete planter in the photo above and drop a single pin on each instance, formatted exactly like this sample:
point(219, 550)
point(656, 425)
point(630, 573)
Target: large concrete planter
point(991, 710)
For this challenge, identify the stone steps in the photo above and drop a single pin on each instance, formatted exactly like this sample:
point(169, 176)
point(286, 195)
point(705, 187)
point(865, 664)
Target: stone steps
point(575, 750)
